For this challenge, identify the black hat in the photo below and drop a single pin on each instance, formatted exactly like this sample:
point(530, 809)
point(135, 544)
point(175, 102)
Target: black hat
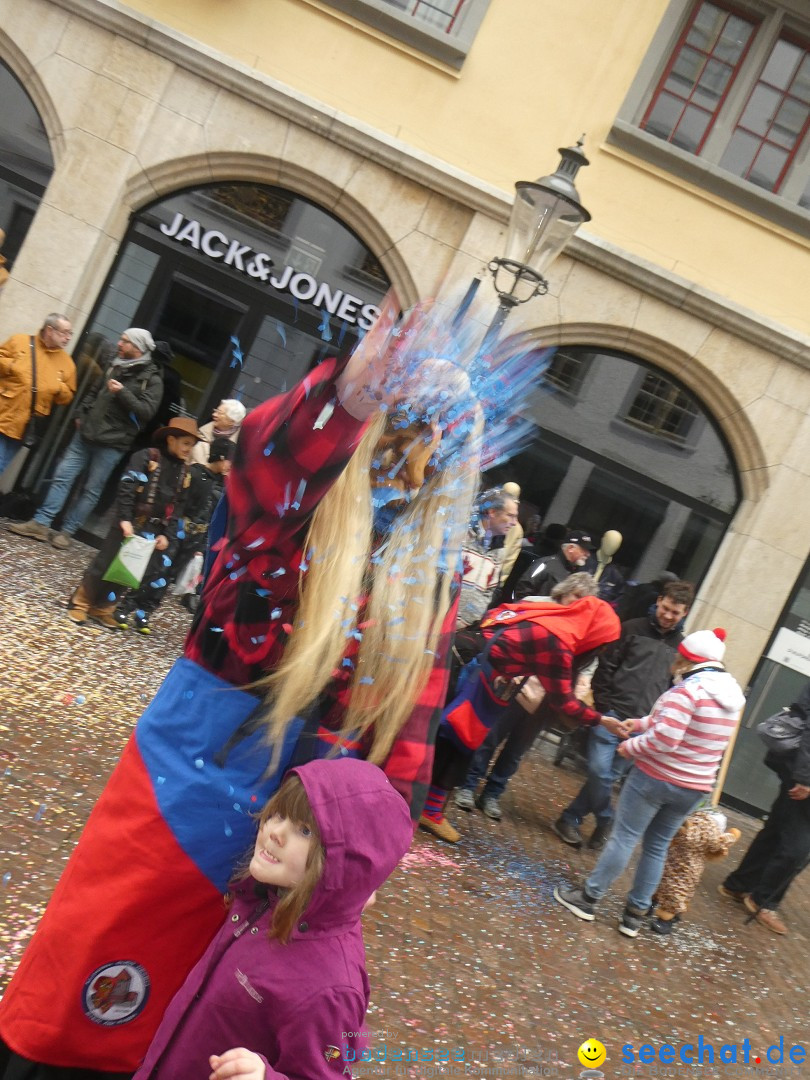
point(579, 536)
point(221, 450)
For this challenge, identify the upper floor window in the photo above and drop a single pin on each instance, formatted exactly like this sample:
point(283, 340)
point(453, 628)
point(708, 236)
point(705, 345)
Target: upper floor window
point(724, 95)
point(566, 371)
point(444, 29)
point(662, 408)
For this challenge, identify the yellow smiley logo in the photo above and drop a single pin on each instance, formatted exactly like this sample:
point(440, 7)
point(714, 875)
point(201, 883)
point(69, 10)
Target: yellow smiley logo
point(591, 1054)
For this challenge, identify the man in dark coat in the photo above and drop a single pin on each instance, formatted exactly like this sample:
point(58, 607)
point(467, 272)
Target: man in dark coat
point(632, 674)
point(550, 570)
point(780, 851)
point(108, 421)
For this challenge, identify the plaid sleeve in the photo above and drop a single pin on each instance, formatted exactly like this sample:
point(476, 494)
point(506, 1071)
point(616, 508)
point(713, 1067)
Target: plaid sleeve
point(529, 649)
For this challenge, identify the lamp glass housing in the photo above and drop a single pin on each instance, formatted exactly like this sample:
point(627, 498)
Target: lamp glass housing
point(542, 222)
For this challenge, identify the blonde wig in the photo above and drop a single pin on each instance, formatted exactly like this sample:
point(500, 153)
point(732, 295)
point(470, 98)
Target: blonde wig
point(407, 582)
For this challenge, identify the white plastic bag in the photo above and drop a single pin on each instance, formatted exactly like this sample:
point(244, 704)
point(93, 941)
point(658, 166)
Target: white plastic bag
point(190, 577)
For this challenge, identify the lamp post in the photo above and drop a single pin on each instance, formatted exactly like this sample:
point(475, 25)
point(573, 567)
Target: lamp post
point(545, 215)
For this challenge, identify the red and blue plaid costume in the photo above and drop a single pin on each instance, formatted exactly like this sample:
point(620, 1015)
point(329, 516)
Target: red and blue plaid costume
point(142, 892)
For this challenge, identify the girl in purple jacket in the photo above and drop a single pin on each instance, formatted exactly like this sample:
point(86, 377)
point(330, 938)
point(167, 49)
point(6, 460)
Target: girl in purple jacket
point(282, 990)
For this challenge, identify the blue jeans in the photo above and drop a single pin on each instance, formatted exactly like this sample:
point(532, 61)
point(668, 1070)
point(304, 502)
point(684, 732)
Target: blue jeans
point(78, 456)
point(605, 767)
point(8, 448)
point(651, 811)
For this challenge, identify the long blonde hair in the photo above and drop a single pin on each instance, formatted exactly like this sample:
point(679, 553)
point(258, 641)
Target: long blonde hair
point(408, 584)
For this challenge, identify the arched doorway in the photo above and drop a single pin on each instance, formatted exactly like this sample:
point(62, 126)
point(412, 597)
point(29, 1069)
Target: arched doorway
point(251, 285)
point(26, 162)
point(623, 445)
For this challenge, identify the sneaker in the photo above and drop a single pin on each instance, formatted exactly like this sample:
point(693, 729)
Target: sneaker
point(61, 540)
point(664, 927)
point(631, 920)
point(464, 798)
point(77, 615)
point(441, 829)
point(488, 805)
point(141, 623)
point(766, 917)
point(568, 833)
point(32, 529)
point(729, 894)
point(599, 836)
point(115, 620)
point(576, 900)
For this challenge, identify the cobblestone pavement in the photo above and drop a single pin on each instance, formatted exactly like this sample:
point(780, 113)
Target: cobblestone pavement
point(469, 955)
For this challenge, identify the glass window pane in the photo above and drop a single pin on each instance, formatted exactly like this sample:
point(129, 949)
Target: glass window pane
point(735, 37)
point(782, 64)
point(665, 116)
point(712, 85)
point(789, 123)
point(691, 129)
point(739, 154)
point(685, 72)
point(760, 110)
point(800, 87)
point(708, 23)
point(767, 168)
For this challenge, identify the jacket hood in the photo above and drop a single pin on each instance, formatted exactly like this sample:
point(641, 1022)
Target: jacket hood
point(581, 626)
point(719, 685)
point(365, 830)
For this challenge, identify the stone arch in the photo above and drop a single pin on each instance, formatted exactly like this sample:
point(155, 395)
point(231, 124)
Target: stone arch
point(28, 77)
point(197, 169)
point(718, 400)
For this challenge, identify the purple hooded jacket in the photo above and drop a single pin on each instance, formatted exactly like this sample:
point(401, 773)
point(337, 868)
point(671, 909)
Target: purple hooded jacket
point(292, 1003)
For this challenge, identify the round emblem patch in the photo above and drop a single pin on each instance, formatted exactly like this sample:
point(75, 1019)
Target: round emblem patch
point(115, 993)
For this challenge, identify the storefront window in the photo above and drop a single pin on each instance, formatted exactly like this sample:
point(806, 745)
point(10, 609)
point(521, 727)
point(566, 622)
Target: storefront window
point(250, 285)
point(26, 162)
point(781, 676)
point(621, 445)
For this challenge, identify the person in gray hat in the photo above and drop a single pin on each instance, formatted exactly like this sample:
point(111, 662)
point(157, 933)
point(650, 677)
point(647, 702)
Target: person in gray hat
point(107, 423)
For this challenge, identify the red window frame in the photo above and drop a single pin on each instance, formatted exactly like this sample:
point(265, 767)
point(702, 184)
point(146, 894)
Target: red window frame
point(453, 15)
point(681, 42)
point(763, 139)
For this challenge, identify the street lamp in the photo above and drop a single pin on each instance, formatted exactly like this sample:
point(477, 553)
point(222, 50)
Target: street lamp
point(545, 215)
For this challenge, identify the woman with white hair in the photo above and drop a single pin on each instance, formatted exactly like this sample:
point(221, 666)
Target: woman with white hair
point(226, 423)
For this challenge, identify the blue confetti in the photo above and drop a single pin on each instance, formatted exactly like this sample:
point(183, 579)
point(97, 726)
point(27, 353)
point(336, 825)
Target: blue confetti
point(255, 543)
point(181, 535)
point(188, 694)
point(282, 333)
point(199, 763)
point(148, 536)
point(80, 699)
point(231, 789)
point(135, 420)
point(275, 613)
point(347, 662)
point(237, 356)
point(7, 877)
point(258, 640)
point(268, 450)
point(141, 615)
point(237, 808)
point(216, 629)
point(228, 830)
point(111, 597)
point(299, 495)
point(161, 779)
point(279, 573)
point(158, 583)
point(324, 328)
point(262, 592)
point(238, 573)
point(39, 813)
point(167, 561)
point(344, 326)
point(366, 680)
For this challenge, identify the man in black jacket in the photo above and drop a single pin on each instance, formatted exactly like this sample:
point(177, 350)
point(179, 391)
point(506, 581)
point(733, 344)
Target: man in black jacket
point(108, 421)
point(632, 674)
point(781, 849)
point(550, 570)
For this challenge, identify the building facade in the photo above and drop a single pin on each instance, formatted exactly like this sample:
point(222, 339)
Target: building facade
point(249, 188)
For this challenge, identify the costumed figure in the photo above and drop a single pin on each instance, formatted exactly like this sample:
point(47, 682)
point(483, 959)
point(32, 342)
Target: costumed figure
point(702, 836)
point(323, 629)
point(531, 638)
